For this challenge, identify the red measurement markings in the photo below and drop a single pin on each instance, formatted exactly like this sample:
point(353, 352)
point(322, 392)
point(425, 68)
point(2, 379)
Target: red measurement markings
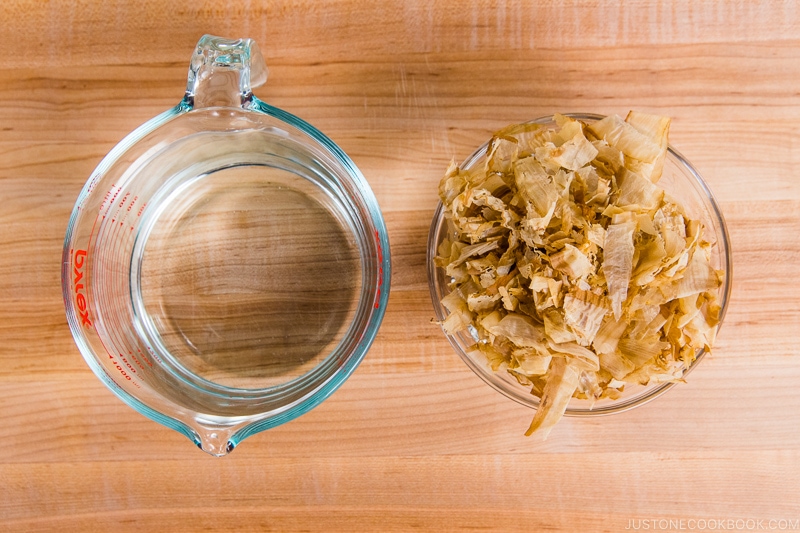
point(127, 363)
point(137, 358)
point(115, 206)
point(154, 354)
point(120, 215)
point(92, 185)
point(114, 197)
point(130, 207)
point(105, 199)
point(148, 361)
point(121, 369)
point(110, 198)
point(118, 366)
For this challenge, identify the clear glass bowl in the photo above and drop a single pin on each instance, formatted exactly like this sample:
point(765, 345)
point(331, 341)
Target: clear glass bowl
point(226, 267)
point(682, 181)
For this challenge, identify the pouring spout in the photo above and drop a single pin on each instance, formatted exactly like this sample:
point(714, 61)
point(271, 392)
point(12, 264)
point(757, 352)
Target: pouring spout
point(215, 439)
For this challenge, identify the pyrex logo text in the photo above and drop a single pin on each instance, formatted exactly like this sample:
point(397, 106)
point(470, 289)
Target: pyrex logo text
point(79, 261)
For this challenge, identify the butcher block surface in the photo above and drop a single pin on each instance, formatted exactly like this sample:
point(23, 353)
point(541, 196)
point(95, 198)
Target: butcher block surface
point(413, 441)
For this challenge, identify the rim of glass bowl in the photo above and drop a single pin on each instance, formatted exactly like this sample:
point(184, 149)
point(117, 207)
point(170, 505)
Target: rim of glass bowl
point(345, 367)
point(503, 382)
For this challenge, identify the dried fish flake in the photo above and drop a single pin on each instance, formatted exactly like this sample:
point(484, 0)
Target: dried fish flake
point(575, 270)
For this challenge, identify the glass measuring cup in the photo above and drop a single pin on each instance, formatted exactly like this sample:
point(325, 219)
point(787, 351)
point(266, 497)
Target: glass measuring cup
point(226, 266)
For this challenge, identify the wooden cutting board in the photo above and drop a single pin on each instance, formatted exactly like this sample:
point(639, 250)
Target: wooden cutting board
point(414, 440)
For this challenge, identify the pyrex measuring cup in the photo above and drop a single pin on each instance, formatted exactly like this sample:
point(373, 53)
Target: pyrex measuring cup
point(226, 266)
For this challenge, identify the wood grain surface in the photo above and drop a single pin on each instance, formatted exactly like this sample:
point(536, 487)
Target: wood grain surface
point(413, 441)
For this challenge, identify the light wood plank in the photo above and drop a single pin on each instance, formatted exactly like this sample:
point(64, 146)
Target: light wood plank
point(413, 441)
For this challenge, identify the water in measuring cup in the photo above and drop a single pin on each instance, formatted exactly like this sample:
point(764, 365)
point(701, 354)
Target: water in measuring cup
point(249, 278)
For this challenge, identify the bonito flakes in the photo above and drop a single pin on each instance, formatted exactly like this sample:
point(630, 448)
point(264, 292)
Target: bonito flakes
point(574, 270)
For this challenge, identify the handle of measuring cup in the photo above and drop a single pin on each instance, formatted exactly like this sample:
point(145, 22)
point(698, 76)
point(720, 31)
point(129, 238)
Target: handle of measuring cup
point(223, 72)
